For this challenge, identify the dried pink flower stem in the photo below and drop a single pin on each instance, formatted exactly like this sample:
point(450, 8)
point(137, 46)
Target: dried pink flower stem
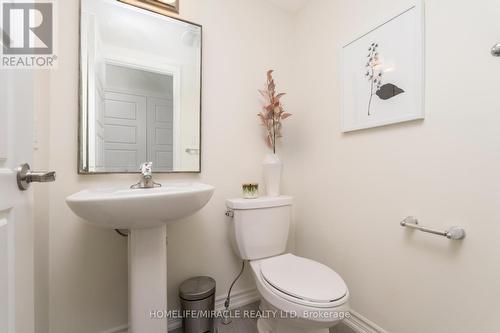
point(272, 112)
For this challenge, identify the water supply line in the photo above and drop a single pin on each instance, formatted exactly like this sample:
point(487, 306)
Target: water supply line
point(226, 320)
point(123, 233)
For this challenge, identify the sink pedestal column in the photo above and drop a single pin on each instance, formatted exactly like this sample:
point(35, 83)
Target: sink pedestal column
point(147, 253)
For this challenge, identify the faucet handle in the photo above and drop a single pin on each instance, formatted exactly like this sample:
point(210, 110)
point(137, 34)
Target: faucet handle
point(147, 169)
point(146, 177)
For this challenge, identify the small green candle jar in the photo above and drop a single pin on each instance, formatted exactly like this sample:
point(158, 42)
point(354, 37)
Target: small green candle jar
point(250, 191)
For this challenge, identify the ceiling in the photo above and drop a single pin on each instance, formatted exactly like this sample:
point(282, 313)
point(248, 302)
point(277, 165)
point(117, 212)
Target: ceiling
point(290, 5)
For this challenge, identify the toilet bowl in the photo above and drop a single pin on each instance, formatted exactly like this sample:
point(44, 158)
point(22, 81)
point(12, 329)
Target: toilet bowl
point(298, 295)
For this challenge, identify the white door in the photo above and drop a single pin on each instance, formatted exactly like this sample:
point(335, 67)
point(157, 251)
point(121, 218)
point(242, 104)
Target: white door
point(161, 133)
point(124, 131)
point(16, 206)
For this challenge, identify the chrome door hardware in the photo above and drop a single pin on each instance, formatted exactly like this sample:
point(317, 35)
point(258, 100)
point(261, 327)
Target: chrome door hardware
point(25, 176)
point(193, 151)
point(495, 51)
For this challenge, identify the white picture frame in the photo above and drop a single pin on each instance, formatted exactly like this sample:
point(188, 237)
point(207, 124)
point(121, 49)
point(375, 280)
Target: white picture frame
point(394, 48)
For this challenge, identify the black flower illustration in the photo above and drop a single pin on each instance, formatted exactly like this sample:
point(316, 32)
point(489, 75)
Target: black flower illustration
point(388, 91)
point(374, 75)
point(373, 72)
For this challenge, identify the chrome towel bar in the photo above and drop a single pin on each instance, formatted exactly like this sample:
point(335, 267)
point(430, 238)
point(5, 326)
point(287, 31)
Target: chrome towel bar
point(454, 233)
point(495, 51)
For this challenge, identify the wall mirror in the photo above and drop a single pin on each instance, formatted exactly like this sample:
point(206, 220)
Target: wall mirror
point(140, 98)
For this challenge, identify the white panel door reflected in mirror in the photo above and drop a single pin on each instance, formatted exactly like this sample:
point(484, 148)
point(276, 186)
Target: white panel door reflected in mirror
point(140, 90)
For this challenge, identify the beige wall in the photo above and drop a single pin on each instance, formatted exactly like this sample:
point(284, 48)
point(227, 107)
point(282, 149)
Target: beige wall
point(87, 276)
point(352, 190)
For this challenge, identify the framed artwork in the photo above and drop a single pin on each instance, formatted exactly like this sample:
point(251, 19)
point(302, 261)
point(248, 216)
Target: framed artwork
point(164, 7)
point(383, 73)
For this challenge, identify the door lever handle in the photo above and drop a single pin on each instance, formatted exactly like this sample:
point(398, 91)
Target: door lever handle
point(25, 176)
point(41, 177)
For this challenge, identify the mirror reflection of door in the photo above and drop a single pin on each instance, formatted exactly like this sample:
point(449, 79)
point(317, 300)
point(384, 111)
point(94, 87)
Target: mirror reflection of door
point(140, 90)
point(137, 122)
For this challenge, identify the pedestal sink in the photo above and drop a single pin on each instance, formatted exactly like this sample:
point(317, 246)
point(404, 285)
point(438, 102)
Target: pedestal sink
point(146, 212)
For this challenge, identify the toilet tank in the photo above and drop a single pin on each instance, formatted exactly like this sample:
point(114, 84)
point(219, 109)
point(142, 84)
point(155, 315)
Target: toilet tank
point(259, 227)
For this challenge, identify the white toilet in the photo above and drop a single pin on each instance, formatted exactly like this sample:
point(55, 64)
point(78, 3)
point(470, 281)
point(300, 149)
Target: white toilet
point(297, 294)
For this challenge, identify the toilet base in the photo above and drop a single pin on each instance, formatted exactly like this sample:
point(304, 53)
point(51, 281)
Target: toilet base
point(272, 326)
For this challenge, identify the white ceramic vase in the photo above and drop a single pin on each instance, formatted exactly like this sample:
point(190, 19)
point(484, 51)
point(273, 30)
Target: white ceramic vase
point(272, 174)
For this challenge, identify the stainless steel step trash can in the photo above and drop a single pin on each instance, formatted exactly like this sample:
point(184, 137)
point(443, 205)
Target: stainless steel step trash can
point(197, 297)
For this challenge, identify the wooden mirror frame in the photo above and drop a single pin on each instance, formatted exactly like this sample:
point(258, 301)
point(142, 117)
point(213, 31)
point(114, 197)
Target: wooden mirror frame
point(155, 6)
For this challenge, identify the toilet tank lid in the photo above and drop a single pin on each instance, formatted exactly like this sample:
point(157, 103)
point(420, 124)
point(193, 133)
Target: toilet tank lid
point(262, 202)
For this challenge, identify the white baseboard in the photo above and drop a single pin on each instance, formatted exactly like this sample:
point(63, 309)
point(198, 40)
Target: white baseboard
point(360, 324)
point(356, 322)
point(119, 329)
point(238, 299)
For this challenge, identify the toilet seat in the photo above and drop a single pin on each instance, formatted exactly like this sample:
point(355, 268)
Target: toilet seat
point(303, 281)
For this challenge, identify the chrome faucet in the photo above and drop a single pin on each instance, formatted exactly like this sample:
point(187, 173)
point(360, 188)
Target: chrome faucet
point(146, 180)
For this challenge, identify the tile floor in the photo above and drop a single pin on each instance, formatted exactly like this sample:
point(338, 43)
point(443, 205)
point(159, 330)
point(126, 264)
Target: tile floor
point(246, 325)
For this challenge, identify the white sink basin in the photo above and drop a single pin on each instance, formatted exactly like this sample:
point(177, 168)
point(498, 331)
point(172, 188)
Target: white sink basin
point(123, 208)
point(146, 212)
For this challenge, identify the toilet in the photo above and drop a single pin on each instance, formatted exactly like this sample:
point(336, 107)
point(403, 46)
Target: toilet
point(297, 294)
